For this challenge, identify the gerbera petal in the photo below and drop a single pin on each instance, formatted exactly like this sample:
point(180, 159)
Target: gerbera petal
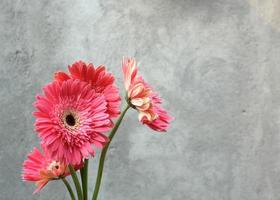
point(40, 168)
point(144, 98)
point(101, 82)
point(66, 125)
point(61, 76)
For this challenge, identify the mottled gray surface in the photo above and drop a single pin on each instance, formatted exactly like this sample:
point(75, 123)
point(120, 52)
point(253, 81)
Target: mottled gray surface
point(215, 63)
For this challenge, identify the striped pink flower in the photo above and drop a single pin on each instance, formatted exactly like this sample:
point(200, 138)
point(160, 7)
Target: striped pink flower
point(99, 79)
point(143, 98)
point(70, 118)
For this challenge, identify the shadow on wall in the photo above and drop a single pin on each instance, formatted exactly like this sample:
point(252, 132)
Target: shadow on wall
point(269, 11)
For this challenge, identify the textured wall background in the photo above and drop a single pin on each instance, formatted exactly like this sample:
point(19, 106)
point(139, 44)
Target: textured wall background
point(215, 62)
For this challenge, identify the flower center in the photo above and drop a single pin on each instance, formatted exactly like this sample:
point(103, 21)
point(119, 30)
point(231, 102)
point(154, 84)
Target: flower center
point(70, 120)
point(53, 165)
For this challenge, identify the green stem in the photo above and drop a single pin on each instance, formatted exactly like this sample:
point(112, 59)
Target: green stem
point(68, 188)
point(76, 182)
point(103, 154)
point(84, 178)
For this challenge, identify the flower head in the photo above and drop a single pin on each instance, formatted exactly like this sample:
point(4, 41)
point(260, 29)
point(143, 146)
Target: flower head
point(70, 117)
point(99, 79)
point(41, 169)
point(143, 98)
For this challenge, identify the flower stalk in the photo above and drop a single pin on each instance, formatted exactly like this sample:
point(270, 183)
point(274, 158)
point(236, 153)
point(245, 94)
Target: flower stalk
point(76, 182)
point(71, 193)
point(104, 152)
point(84, 178)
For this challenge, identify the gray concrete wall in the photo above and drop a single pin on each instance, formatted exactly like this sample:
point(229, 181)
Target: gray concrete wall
point(215, 63)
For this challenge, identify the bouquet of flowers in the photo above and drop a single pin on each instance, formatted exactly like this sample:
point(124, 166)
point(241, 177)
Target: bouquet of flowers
point(74, 113)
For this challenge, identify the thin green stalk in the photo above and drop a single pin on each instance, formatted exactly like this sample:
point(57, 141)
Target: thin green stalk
point(76, 182)
point(84, 178)
point(103, 154)
point(68, 188)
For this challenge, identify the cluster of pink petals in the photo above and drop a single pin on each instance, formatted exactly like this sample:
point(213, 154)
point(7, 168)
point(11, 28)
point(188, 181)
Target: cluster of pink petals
point(99, 79)
point(41, 169)
point(76, 109)
point(142, 97)
point(71, 117)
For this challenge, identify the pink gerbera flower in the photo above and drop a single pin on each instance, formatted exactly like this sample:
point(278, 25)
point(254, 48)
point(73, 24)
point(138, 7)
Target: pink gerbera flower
point(70, 117)
point(41, 169)
point(142, 97)
point(99, 79)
